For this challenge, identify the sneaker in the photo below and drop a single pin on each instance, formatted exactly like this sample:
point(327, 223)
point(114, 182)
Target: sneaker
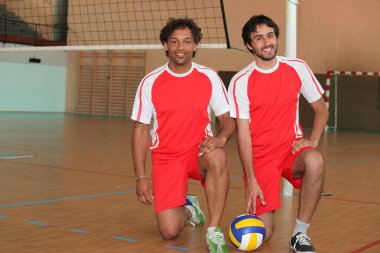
point(215, 241)
point(300, 243)
point(197, 216)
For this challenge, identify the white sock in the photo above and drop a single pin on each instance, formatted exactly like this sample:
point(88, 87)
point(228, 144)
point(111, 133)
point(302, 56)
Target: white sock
point(300, 227)
point(210, 230)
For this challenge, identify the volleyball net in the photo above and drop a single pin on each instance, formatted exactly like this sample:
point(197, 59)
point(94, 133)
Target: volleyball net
point(30, 25)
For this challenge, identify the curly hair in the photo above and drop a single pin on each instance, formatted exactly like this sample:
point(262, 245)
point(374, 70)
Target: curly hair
point(251, 25)
point(180, 23)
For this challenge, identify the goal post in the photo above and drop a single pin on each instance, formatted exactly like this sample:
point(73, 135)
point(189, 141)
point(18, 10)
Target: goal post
point(331, 94)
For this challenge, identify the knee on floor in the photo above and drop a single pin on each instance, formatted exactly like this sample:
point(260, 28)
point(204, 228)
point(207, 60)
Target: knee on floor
point(169, 233)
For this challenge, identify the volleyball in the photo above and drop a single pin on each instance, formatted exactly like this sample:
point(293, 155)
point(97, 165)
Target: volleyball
point(247, 232)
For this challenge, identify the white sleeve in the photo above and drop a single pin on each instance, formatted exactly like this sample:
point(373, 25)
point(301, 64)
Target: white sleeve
point(143, 107)
point(219, 98)
point(311, 88)
point(238, 97)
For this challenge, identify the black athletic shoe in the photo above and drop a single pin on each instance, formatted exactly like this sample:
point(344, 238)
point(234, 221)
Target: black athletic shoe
point(300, 243)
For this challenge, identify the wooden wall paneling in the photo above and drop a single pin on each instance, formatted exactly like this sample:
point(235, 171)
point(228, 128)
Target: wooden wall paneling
point(108, 81)
point(135, 73)
point(85, 83)
point(101, 83)
point(118, 83)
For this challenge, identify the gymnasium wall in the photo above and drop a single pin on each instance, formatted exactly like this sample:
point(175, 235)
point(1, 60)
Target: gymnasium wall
point(32, 87)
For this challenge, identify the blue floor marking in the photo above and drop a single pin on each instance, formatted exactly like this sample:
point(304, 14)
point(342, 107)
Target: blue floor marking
point(175, 247)
point(37, 223)
point(65, 199)
point(79, 231)
point(3, 217)
point(125, 239)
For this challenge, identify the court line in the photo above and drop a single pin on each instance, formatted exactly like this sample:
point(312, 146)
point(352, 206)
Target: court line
point(37, 223)
point(65, 199)
point(124, 239)
point(175, 247)
point(365, 247)
point(78, 231)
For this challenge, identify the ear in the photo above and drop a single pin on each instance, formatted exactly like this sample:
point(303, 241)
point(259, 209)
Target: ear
point(165, 46)
point(195, 48)
point(249, 46)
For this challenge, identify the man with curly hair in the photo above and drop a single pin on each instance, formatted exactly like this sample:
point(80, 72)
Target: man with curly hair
point(179, 96)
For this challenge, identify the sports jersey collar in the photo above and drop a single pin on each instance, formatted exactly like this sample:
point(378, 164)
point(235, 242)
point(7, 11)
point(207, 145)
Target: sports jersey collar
point(179, 75)
point(267, 71)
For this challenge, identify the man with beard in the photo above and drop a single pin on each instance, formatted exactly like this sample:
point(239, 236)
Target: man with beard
point(264, 99)
point(179, 96)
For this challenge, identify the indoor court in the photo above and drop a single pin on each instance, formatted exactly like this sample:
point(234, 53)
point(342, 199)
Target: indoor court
point(77, 192)
point(67, 181)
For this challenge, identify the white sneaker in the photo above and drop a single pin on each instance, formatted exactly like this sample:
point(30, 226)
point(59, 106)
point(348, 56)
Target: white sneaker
point(197, 216)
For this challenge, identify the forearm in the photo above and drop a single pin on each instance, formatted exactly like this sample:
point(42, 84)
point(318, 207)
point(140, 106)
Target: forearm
point(245, 149)
point(320, 121)
point(140, 142)
point(245, 154)
point(227, 127)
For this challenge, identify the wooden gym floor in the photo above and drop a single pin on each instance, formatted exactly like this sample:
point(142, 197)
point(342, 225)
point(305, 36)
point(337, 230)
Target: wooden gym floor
point(67, 185)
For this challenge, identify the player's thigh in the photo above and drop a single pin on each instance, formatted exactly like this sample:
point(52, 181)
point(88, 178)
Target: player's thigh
point(170, 184)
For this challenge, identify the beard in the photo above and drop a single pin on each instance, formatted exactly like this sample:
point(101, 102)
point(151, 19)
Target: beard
point(266, 57)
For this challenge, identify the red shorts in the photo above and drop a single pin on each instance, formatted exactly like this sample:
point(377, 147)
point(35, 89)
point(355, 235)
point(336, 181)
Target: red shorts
point(268, 175)
point(170, 179)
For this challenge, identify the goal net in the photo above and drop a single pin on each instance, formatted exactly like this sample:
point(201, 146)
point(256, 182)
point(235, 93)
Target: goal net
point(353, 98)
point(103, 24)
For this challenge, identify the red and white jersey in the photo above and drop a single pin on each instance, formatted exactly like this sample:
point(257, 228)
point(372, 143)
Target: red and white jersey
point(270, 99)
point(180, 105)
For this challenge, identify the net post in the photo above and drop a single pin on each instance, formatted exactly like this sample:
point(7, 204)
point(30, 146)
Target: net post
point(290, 51)
point(336, 102)
point(225, 24)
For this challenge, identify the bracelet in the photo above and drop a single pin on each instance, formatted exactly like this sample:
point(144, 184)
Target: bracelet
point(141, 177)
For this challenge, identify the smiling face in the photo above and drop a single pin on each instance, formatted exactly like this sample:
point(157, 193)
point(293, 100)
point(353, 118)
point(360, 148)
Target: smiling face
point(264, 45)
point(180, 46)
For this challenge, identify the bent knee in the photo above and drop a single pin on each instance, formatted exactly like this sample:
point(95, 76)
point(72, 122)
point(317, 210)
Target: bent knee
point(315, 161)
point(268, 233)
point(169, 233)
point(216, 158)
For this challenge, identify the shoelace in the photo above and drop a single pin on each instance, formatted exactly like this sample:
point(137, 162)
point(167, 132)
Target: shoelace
point(303, 239)
point(217, 237)
point(191, 222)
point(193, 218)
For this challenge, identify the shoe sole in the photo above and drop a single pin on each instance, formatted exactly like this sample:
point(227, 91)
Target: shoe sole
point(300, 251)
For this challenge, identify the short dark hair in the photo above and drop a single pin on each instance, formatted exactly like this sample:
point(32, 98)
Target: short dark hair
point(180, 23)
point(251, 25)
